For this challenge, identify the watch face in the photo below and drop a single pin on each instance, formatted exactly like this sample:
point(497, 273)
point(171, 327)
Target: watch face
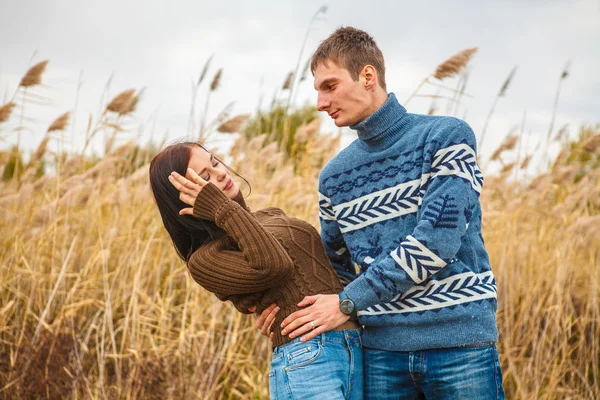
point(347, 306)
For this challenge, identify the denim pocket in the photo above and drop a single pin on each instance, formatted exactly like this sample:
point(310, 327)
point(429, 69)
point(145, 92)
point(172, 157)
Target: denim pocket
point(305, 355)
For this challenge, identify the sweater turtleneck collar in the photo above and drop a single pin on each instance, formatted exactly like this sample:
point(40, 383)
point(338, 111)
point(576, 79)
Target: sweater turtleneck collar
point(239, 198)
point(376, 130)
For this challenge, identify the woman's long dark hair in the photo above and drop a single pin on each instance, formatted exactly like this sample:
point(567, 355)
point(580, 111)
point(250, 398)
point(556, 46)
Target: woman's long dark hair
point(187, 232)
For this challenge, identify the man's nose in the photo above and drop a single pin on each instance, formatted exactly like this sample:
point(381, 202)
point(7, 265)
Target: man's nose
point(322, 103)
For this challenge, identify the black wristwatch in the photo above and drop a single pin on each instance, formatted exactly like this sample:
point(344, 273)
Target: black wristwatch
point(346, 305)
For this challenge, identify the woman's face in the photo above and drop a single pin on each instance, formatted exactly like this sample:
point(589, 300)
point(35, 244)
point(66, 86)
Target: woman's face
point(212, 170)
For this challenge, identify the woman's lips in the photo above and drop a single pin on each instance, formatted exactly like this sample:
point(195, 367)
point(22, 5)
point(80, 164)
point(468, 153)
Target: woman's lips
point(229, 185)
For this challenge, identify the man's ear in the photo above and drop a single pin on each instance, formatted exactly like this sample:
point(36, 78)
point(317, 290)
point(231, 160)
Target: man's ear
point(369, 75)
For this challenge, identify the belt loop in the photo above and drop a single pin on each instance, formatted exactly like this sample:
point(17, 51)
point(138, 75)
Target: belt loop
point(322, 339)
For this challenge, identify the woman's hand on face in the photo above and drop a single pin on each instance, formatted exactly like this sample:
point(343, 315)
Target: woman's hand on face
point(189, 187)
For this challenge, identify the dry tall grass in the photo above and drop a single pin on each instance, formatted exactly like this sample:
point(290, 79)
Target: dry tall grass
point(94, 302)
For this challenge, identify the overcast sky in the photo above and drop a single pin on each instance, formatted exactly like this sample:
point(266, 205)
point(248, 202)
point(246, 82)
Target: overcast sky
point(163, 46)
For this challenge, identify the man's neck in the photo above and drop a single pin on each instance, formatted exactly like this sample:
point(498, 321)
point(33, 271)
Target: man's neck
point(374, 131)
point(379, 98)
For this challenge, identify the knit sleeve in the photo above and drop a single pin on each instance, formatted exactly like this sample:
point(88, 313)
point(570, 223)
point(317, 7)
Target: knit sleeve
point(450, 186)
point(256, 261)
point(333, 241)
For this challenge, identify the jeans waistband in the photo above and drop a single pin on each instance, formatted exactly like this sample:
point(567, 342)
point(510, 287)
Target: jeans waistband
point(339, 336)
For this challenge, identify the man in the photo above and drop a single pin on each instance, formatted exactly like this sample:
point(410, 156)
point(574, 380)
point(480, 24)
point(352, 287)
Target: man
point(402, 203)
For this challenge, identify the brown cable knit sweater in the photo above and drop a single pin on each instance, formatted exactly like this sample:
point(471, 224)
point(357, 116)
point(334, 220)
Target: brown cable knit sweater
point(265, 258)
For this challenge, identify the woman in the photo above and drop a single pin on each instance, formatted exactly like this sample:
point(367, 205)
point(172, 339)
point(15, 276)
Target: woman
point(255, 260)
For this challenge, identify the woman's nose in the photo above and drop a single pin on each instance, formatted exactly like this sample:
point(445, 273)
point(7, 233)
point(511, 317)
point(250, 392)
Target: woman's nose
point(221, 175)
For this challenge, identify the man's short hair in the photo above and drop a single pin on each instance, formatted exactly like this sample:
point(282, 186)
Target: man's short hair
point(352, 49)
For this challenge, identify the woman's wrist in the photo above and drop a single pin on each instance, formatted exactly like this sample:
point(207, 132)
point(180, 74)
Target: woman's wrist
point(209, 201)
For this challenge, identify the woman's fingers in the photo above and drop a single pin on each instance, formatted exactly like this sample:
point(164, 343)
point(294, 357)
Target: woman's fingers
point(189, 187)
point(196, 178)
point(187, 182)
point(266, 318)
point(187, 211)
point(188, 190)
point(270, 319)
point(181, 183)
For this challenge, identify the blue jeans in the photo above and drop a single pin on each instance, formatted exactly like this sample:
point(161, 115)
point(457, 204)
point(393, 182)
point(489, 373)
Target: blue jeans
point(471, 372)
point(329, 366)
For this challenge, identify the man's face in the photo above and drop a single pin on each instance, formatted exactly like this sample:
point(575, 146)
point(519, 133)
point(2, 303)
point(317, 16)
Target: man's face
point(346, 101)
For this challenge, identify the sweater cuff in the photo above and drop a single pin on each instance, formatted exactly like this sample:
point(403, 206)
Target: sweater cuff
point(361, 293)
point(209, 201)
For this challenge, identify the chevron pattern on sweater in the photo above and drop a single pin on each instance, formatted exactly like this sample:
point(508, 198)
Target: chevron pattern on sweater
point(452, 291)
point(325, 210)
point(417, 260)
point(375, 207)
point(459, 160)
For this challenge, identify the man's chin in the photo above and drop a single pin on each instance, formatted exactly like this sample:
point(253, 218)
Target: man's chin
point(340, 123)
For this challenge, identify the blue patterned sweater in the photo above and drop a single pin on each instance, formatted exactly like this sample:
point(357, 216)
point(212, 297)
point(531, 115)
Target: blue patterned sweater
point(402, 203)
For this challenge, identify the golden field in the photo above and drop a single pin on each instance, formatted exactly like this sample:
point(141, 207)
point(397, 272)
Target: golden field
point(94, 302)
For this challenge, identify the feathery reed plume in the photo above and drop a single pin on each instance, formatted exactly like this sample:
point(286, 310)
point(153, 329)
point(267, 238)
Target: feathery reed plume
point(216, 80)
point(134, 102)
point(204, 70)
point(5, 111)
point(508, 144)
point(301, 135)
point(191, 119)
point(562, 133)
point(213, 86)
point(560, 158)
point(223, 116)
point(234, 124)
point(451, 67)
point(72, 166)
point(41, 150)
point(501, 93)
point(305, 71)
point(268, 151)
point(563, 75)
point(525, 161)
point(59, 123)
point(507, 168)
point(506, 83)
point(34, 75)
point(591, 144)
point(305, 132)
point(455, 64)
point(35, 158)
point(125, 150)
point(256, 143)
point(288, 81)
point(121, 103)
point(586, 228)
